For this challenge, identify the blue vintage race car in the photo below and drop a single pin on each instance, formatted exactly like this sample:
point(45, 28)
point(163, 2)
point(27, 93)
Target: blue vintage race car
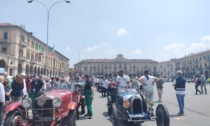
point(131, 106)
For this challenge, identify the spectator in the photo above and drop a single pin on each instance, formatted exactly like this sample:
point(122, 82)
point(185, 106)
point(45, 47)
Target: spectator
point(17, 88)
point(52, 82)
point(8, 91)
point(2, 97)
point(179, 86)
point(159, 85)
point(105, 87)
point(25, 93)
point(123, 80)
point(148, 88)
point(89, 94)
point(203, 84)
point(197, 84)
point(28, 84)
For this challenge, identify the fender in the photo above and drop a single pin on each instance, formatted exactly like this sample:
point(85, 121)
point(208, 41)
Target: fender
point(72, 106)
point(13, 106)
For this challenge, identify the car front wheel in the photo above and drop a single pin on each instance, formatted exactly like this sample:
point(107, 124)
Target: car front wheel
point(162, 115)
point(114, 116)
point(13, 118)
point(72, 117)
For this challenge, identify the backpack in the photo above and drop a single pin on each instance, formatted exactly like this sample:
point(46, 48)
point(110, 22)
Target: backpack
point(198, 81)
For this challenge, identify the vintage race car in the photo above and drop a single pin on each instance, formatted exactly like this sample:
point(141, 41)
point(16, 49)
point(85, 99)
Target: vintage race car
point(131, 106)
point(54, 108)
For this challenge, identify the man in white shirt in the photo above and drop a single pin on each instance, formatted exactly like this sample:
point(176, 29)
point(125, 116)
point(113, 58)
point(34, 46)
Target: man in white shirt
point(148, 82)
point(105, 87)
point(123, 80)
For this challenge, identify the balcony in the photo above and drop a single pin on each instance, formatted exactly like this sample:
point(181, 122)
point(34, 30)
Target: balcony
point(33, 62)
point(22, 58)
point(6, 41)
point(23, 44)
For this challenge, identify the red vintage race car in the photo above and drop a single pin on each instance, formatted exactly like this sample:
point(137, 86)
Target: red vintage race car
point(54, 108)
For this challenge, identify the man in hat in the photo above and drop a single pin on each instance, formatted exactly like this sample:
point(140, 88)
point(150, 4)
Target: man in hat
point(179, 86)
point(89, 93)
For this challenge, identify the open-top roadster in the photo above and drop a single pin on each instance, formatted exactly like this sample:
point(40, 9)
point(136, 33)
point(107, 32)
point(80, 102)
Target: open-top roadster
point(54, 108)
point(131, 106)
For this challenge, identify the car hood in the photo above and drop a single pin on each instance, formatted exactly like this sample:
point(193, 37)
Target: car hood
point(130, 92)
point(57, 93)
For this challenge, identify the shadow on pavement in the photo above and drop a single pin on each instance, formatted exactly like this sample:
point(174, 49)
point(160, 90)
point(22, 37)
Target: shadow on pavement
point(173, 116)
point(105, 114)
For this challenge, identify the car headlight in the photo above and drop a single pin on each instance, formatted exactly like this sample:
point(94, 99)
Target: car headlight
point(57, 102)
point(26, 102)
point(126, 104)
point(41, 101)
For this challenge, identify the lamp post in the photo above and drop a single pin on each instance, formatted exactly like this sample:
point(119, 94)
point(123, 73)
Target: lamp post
point(48, 17)
point(79, 56)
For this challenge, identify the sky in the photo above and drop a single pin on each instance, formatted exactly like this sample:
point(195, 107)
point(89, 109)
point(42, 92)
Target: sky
point(99, 29)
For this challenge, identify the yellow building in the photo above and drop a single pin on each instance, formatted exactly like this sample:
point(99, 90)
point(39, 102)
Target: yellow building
point(110, 67)
point(20, 51)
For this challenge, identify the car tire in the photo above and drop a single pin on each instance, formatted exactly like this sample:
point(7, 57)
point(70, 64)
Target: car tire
point(12, 118)
point(114, 117)
point(72, 117)
point(144, 102)
point(109, 103)
point(162, 115)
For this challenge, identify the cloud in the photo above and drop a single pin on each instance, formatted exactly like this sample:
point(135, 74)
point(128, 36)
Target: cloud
point(93, 48)
point(195, 47)
point(205, 38)
point(174, 47)
point(137, 51)
point(121, 31)
point(173, 50)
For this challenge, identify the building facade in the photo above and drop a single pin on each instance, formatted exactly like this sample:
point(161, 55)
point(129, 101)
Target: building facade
point(21, 52)
point(196, 64)
point(108, 68)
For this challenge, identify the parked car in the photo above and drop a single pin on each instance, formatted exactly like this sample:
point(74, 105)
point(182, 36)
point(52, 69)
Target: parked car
point(130, 106)
point(54, 108)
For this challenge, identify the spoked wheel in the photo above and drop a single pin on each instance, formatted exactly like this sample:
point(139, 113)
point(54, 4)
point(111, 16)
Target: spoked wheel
point(109, 103)
point(114, 116)
point(162, 115)
point(13, 118)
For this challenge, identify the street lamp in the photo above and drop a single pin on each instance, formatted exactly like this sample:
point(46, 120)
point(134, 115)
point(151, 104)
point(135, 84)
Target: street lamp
point(48, 17)
point(79, 57)
point(81, 50)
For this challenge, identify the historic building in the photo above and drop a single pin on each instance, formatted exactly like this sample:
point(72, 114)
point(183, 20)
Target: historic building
point(20, 51)
point(110, 67)
point(196, 64)
point(167, 69)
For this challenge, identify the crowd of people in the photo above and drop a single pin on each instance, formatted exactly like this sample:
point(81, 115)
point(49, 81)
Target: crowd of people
point(20, 86)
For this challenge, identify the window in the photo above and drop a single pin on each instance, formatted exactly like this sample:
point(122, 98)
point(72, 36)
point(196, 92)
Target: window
point(32, 56)
point(5, 35)
point(36, 47)
point(21, 52)
point(32, 45)
point(22, 38)
point(28, 55)
point(4, 49)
